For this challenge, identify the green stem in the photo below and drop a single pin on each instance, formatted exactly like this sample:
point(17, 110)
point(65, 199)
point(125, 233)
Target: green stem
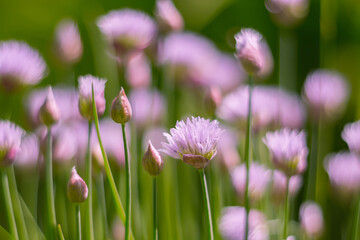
point(49, 186)
point(286, 216)
point(78, 222)
point(114, 192)
point(207, 205)
point(155, 221)
point(311, 183)
point(357, 222)
point(60, 232)
point(128, 186)
point(102, 202)
point(247, 158)
point(89, 227)
point(8, 204)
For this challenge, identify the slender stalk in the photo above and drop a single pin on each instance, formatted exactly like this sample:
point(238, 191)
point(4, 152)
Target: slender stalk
point(286, 216)
point(311, 182)
point(88, 204)
point(155, 221)
point(60, 232)
point(8, 204)
point(207, 205)
point(128, 187)
point(78, 222)
point(50, 186)
point(247, 159)
point(357, 222)
point(114, 191)
point(102, 202)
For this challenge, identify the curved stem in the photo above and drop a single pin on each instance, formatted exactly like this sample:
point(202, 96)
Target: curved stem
point(78, 222)
point(128, 187)
point(50, 186)
point(247, 159)
point(155, 222)
point(8, 204)
point(88, 207)
point(286, 216)
point(207, 205)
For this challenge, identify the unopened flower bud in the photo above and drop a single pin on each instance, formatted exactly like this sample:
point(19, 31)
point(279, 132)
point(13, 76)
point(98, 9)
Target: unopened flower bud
point(152, 161)
point(77, 190)
point(49, 112)
point(121, 109)
point(168, 17)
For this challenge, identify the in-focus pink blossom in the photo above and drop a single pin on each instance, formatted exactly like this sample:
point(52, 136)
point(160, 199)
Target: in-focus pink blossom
point(20, 65)
point(85, 95)
point(168, 17)
point(287, 13)
point(128, 29)
point(253, 52)
point(344, 172)
point(232, 224)
point(351, 135)
point(68, 41)
point(258, 181)
point(138, 70)
point(288, 150)
point(148, 107)
point(326, 93)
point(312, 221)
point(10, 141)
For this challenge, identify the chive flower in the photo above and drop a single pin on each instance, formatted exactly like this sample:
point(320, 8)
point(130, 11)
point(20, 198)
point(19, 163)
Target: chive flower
point(10, 141)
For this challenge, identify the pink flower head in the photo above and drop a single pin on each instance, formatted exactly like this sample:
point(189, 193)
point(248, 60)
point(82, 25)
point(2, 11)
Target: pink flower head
point(168, 17)
point(287, 12)
point(279, 185)
point(127, 29)
point(351, 135)
point(68, 41)
point(292, 112)
point(232, 224)
point(65, 146)
point(326, 93)
point(258, 181)
point(288, 150)
point(138, 70)
point(253, 52)
point(29, 152)
point(312, 219)
point(148, 107)
point(194, 141)
point(344, 172)
point(10, 140)
point(20, 65)
point(65, 99)
point(85, 95)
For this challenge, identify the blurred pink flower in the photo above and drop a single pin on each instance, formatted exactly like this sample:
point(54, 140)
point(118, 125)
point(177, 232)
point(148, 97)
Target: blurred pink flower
point(156, 135)
point(312, 220)
point(168, 17)
point(20, 65)
point(258, 181)
point(148, 107)
point(68, 41)
point(28, 156)
point(85, 95)
point(292, 112)
point(326, 93)
point(227, 146)
point(10, 141)
point(288, 150)
point(128, 29)
point(344, 172)
point(287, 12)
point(232, 224)
point(351, 135)
point(138, 70)
point(253, 52)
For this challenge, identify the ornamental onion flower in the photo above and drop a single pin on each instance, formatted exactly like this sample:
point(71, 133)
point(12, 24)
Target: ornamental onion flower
point(344, 172)
point(77, 190)
point(312, 221)
point(85, 97)
point(253, 52)
point(288, 150)
point(168, 17)
point(193, 141)
point(232, 224)
point(127, 29)
point(138, 70)
point(351, 135)
point(10, 140)
point(326, 93)
point(20, 65)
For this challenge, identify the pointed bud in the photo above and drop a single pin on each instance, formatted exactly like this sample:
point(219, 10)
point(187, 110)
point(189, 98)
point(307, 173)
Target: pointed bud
point(152, 161)
point(121, 109)
point(49, 113)
point(77, 190)
point(168, 17)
